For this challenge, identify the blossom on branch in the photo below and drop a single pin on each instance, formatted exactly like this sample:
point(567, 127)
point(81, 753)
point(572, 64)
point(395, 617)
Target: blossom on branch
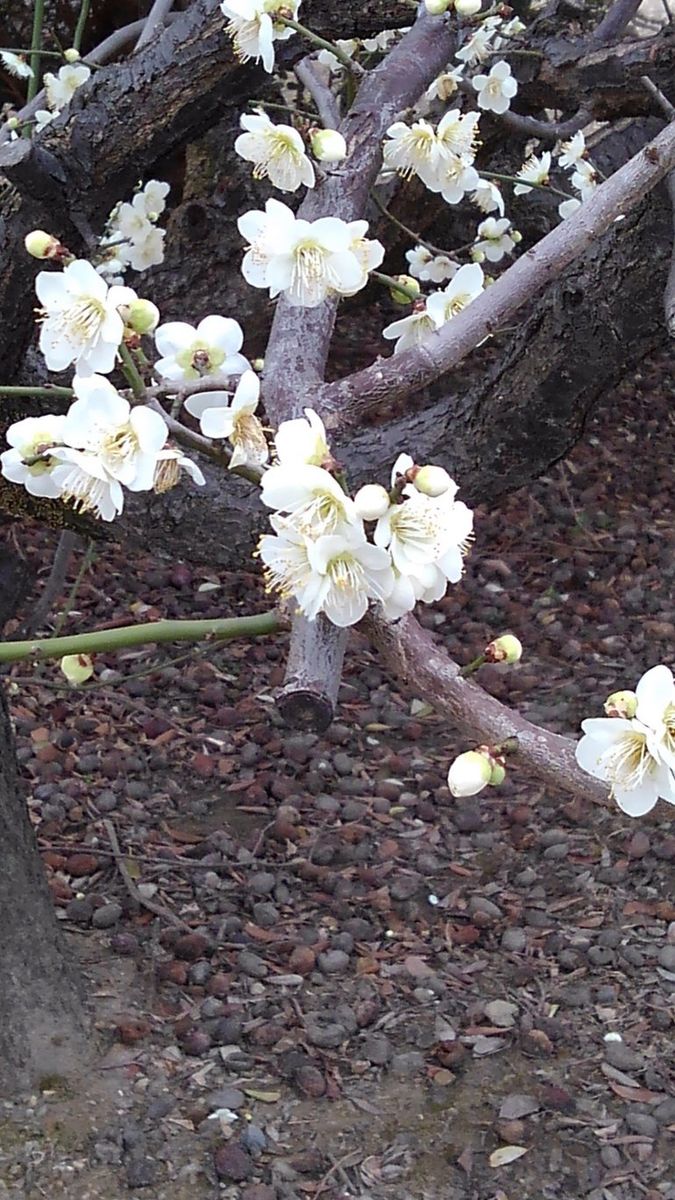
point(535, 171)
point(16, 64)
point(307, 261)
point(302, 441)
point(494, 238)
point(488, 197)
point(238, 423)
point(430, 268)
point(277, 152)
point(210, 349)
point(28, 461)
point(636, 755)
point(61, 88)
point(496, 90)
point(310, 497)
point(80, 317)
point(253, 28)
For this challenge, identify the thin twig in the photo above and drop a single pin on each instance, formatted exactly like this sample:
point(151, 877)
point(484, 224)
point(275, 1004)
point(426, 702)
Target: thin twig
point(154, 20)
point(35, 44)
point(152, 905)
point(81, 24)
point(326, 103)
point(67, 543)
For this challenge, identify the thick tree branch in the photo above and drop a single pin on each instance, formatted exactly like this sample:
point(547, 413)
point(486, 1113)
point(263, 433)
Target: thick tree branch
point(300, 338)
point(413, 657)
point(615, 21)
point(668, 110)
point(350, 399)
point(326, 103)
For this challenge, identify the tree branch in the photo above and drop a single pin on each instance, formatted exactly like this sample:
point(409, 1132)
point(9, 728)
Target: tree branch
point(326, 103)
point(615, 21)
point(350, 399)
point(668, 110)
point(413, 657)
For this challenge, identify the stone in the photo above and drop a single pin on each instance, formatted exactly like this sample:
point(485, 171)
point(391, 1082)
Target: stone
point(327, 1035)
point(621, 1056)
point(141, 1171)
point(252, 965)
point(106, 916)
point(333, 962)
point(377, 1049)
point(408, 1063)
point(233, 1163)
point(514, 940)
point(667, 958)
point(226, 1097)
point(642, 1123)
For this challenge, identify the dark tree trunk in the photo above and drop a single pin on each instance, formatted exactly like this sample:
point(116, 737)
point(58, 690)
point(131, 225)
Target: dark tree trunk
point(42, 1019)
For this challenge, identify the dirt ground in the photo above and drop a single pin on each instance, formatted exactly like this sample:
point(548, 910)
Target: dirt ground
point(357, 986)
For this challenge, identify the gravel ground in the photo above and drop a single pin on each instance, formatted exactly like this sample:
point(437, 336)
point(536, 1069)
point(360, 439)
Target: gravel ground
point(358, 986)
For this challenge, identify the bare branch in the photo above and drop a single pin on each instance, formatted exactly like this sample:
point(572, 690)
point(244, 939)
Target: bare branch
point(154, 21)
point(413, 657)
point(349, 399)
point(669, 293)
point(532, 126)
point(615, 21)
point(326, 103)
point(313, 673)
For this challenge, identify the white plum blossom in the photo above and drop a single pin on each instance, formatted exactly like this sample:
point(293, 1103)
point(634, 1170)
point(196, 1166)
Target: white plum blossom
point(16, 64)
point(253, 28)
point(284, 554)
point(210, 349)
point(636, 755)
point(126, 441)
point(328, 145)
point(42, 117)
point(146, 250)
point(31, 439)
point(655, 709)
point(456, 177)
point(494, 240)
point(584, 178)
point(302, 441)
point(372, 501)
point(348, 46)
point(310, 497)
point(535, 171)
point(617, 751)
point(464, 287)
point(572, 151)
point(347, 572)
point(488, 197)
point(131, 238)
point(482, 42)
point(444, 86)
point(152, 198)
point(61, 88)
point(496, 90)
point(412, 150)
point(306, 260)
point(368, 252)
point(430, 268)
point(170, 462)
point(567, 207)
point(238, 423)
point(412, 330)
point(80, 318)
point(457, 133)
point(277, 152)
point(382, 40)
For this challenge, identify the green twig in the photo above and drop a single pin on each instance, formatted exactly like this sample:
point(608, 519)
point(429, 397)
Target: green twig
point(25, 53)
point(40, 393)
point(346, 61)
point(87, 559)
point(296, 112)
point(81, 24)
point(140, 635)
point(472, 666)
point(131, 372)
point(35, 46)
point(543, 187)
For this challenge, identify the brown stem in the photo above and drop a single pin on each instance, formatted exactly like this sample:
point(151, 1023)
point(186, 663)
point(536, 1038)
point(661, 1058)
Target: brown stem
point(414, 659)
point(615, 21)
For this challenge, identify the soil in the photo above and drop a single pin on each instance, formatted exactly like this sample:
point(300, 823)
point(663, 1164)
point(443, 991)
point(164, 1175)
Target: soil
point(357, 986)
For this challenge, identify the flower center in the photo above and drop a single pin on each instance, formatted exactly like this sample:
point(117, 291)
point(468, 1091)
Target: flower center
point(248, 433)
point(119, 446)
point(278, 146)
point(628, 761)
point(345, 573)
point(81, 320)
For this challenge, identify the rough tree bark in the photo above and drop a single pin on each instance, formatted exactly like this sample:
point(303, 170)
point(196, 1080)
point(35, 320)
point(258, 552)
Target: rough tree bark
point(43, 1027)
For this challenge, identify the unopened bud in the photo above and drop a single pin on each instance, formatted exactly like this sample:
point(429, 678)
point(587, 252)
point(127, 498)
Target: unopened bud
point(372, 501)
point(516, 236)
point(328, 145)
point(477, 255)
point(77, 668)
point(498, 774)
point(436, 8)
point(142, 316)
point(258, 365)
point(42, 245)
point(408, 282)
point(71, 55)
point(432, 481)
point(504, 649)
point(469, 773)
point(621, 704)
point(467, 8)
point(12, 123)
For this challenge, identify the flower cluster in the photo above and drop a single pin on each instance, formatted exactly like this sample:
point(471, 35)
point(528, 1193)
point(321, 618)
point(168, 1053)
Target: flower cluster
point(430, 268)
point(437, 309)
point(378, 44)
point(583, 175)
point(60, 90)
point(633, 747)
point(441, 157)
point(306, 260)
point(334, 554)
point(255, 25)
point(88, 455)
point(132, 237)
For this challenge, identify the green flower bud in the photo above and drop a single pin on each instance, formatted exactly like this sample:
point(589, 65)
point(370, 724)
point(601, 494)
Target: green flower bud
point(467, 8)
point(621, 704)
point(141, 315)
point(432, 481)
point(408, 282)
point(71, 55)
point(504, 649)
point(77, 668)
point(469, 773)
point(42, 245)
point(498, 774)
point(436, 8)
